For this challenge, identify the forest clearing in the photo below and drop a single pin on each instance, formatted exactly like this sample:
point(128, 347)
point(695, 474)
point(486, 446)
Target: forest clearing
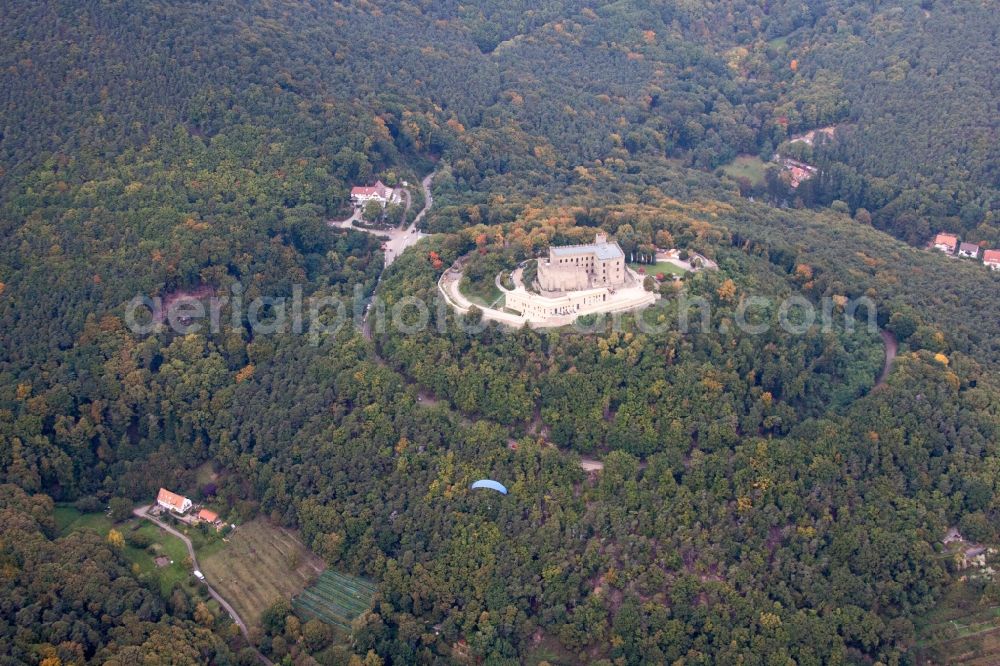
point(155, 552)
point(750, 167)
point(260, 564)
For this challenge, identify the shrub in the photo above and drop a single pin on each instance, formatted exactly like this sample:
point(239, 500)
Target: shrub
point(121, 509)
point(88, 504)
point(139, 540)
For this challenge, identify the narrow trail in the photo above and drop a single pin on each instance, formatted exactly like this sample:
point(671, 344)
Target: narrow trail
point(891, 347)
point(142, 512)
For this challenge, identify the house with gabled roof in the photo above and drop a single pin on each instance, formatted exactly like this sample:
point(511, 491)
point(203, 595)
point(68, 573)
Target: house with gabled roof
point(208, 516)
point(947, 243)
point(378, 192)
point(172, 501)
point(991, 259)
point(970, 250)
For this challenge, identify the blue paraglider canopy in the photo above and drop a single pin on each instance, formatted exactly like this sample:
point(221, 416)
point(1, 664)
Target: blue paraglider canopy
point(488, 483)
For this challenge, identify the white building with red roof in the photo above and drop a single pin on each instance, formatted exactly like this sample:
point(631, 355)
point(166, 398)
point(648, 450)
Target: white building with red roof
point(991, 258)
point(946, 243)
point(378, 192)
point(172, 501)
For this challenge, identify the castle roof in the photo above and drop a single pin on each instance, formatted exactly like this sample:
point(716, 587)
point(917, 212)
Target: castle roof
point(600, 250)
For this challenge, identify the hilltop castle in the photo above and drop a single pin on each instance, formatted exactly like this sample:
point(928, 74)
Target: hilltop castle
point(577, 267)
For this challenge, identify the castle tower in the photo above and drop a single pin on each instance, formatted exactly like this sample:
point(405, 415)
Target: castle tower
point(578, 267)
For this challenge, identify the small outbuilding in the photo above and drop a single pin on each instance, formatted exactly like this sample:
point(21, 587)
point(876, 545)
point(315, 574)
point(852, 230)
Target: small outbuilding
point(208, 516)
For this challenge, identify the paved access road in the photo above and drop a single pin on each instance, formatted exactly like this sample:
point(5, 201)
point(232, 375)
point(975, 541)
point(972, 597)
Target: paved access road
point(397, 240)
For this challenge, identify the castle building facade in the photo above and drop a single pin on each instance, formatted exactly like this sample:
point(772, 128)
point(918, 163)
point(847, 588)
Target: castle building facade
point(578, 267)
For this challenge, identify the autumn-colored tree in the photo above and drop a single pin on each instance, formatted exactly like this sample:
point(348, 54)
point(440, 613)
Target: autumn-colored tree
point(116, 539)
point(664, 239)
point(245, 373)
point(202, 615)
point(727, 290)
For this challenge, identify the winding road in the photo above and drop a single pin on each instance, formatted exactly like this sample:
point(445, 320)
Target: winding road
point(400, 239)
point(143, 512)
point(404, 238)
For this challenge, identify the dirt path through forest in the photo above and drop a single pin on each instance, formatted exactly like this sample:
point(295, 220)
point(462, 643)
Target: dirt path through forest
point(891, 347)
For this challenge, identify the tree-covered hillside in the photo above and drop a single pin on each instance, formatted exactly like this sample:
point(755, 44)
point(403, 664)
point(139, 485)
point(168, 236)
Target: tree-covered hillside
point(763, 500)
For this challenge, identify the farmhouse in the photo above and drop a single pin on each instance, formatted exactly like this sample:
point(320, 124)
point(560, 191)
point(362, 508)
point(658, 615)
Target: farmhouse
point(946, 243)
point(578, 267)
point(992, 259)
point(968, 250)
point(377, 192)
point(172, 501)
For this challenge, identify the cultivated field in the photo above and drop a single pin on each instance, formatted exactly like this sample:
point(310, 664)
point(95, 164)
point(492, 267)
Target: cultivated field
point(336, 599)
point(962, 629)
point(260, 565)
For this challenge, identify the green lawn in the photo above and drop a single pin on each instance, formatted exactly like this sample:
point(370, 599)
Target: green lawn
point(69, 519)
point(664, 267)
point(778, 42)
point(746, 166)
point(551, 651)
point(204, 474)
point(481, 293)
point(167, 545)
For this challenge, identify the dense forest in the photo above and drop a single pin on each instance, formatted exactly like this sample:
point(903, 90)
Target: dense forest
point(763, 500)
